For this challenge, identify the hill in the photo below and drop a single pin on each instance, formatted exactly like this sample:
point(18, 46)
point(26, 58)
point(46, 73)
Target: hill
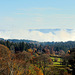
point(57, 46)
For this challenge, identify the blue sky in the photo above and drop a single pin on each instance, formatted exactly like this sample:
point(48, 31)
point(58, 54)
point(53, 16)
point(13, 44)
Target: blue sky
point(37, 14)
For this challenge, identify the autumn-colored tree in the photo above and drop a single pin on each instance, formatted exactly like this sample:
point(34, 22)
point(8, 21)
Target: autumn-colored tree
point(24, 59)
point(31, 51)
point(4, 60)
point(42, 61)
point(7, 61)
point(38, 70)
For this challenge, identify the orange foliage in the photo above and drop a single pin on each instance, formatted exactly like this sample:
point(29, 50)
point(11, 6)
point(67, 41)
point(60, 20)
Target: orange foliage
point(38, 70)
point(30, 50)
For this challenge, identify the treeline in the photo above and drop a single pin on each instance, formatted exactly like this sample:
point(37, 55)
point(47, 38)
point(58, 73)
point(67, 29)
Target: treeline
point(16, 46)
point(22, 45)
point(18, 41)
point(61, 45)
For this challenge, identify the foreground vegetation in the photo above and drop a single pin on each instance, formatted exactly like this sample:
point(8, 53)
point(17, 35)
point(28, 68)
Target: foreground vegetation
point(25, 59)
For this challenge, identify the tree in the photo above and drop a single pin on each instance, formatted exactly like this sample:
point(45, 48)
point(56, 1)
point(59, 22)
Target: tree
point(61, 52)
point(71, 59)
point(8, 44)
point(4, 60)
point(42, 61)
point(23, 59)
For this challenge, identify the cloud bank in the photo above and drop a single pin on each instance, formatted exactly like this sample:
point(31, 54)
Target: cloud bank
point(57, 35)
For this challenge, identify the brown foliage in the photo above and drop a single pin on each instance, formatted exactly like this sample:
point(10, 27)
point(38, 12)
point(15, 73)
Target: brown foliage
point(4, 52)
point(4, 59)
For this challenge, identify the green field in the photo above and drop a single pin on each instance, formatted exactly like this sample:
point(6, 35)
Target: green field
point(58, 60)
point(56, 63)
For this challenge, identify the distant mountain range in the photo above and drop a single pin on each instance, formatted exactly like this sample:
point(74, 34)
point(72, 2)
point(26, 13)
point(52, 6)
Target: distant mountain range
point(36, 42)
point(21, 40)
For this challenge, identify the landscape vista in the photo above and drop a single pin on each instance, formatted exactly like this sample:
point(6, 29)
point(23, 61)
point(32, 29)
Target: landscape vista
point(37, 37)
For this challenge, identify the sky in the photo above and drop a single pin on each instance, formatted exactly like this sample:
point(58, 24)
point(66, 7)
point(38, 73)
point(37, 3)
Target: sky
point(40, 20)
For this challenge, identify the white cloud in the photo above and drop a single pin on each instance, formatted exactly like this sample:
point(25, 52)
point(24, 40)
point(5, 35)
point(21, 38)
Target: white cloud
point(61, 35)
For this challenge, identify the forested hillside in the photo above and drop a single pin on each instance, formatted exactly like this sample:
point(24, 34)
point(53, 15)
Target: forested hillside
point(56, 46)
point(23, 58)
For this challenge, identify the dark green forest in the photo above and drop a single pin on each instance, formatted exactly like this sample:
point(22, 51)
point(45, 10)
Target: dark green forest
point(26, 44)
